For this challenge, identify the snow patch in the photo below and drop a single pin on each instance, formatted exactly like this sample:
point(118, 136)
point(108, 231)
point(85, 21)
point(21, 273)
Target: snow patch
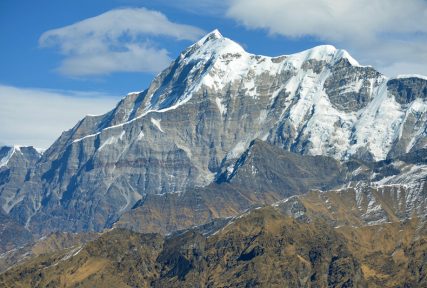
point(112, 140)
point(283, 201)
point(237, 150)
point(156, 122)
point(221, 107)
point(133, 93)
point(131, 197)
point(121, 135)
point(379, 124)
point(140, 136)
point(10, 153)
point(265, 137)
point(40, 150)
point(88, 136)
point(5, 159)
point(405, 76)
point(344, 54)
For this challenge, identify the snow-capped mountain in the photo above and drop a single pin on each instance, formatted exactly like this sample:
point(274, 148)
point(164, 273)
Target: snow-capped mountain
point(319, 102)
point(14, 163)
point(201, 114)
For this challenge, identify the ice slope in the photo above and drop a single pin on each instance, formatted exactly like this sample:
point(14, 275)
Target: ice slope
point(216, 62)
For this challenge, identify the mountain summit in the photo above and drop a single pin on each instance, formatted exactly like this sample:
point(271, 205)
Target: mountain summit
point(200, 115)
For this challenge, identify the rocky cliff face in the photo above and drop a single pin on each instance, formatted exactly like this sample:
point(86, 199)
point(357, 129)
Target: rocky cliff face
point(200, 115)
point(263, 174)
point(15, 164)
point(379, 192)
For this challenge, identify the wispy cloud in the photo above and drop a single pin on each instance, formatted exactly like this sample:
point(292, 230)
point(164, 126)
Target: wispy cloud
point(390, 34)
point(206, 7)
point(116, 41)
point(38, 116)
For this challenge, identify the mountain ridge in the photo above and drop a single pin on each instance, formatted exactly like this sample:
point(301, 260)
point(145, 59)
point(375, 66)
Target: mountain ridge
point(200, 114)
point(242, 251)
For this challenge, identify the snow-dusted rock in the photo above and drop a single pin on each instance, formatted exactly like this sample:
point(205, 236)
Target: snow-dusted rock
point(201, 113)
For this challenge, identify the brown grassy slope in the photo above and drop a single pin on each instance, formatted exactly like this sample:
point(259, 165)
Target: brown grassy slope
point(261, 248)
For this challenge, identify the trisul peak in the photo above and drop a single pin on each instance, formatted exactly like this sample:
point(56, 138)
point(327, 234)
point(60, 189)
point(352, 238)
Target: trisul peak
point(211, 45)
point(213, 35)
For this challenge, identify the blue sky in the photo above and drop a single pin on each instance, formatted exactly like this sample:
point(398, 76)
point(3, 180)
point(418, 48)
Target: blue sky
point(63, 59)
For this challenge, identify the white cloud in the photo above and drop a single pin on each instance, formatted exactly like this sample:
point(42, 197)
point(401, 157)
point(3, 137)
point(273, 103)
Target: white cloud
point(36, 117)
point(116, 41)
point(206, 7)
point(379, 32)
